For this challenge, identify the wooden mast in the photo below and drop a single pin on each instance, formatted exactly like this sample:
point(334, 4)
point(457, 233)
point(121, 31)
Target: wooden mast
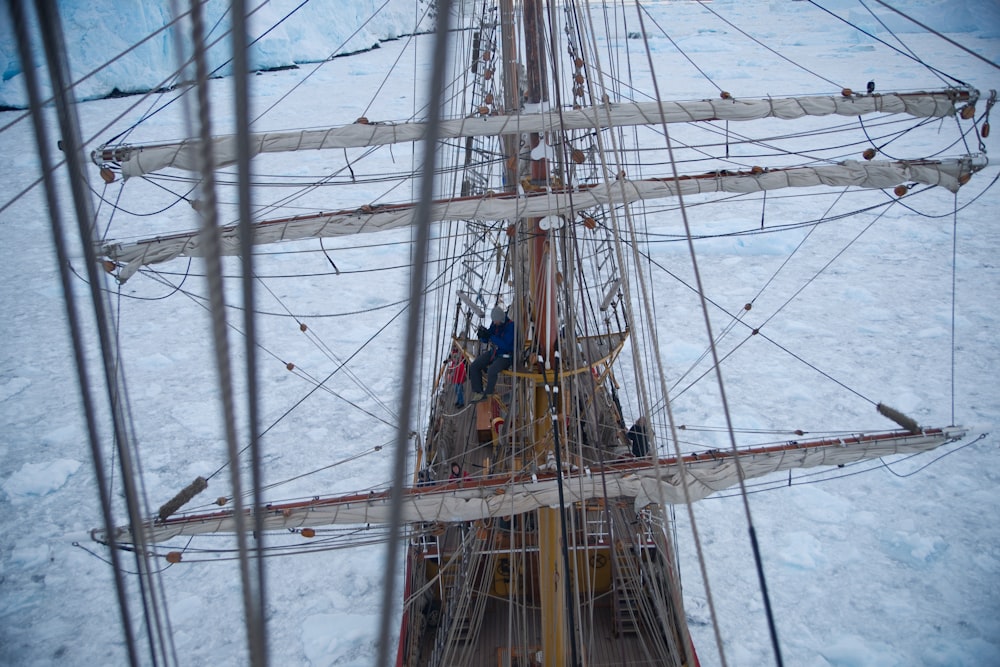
point(553, 577)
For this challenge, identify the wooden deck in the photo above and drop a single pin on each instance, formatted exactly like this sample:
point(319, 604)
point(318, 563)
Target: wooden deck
point(503, 629)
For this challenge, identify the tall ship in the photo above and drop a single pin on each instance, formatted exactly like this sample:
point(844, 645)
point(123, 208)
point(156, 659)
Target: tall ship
point(536, 471)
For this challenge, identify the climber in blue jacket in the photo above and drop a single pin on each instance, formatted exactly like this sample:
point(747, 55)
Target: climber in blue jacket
point(500, 335)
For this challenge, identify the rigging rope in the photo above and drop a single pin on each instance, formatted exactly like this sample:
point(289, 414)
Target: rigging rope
point(615, 152)
point(938, 34)
point(897, 50)
point(318, 386)
point(116, 58)
point(719, 382)
point(898, 38)
point(681, 51)
point(256, 615)
point(109, 124)
point(256, 631)
point(187, 63)
point(160, 639)
point(735, 27)
point(756, 331)
point(422, 221)
point(954, 278)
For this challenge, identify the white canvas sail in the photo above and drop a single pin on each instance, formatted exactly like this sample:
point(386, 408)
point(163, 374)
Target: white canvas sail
point(647, 482)
point(137, 160)
point(875, 174)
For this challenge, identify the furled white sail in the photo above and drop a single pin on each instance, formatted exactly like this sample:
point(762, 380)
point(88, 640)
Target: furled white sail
point(567, 202)
point(136, 160)
point(647, 482)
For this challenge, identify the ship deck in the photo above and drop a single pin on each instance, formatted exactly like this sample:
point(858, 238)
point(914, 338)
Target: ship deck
point(511, 637)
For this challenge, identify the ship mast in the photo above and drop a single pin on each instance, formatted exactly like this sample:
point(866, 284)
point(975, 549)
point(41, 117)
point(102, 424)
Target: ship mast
point(555, 589)
point(541, 288)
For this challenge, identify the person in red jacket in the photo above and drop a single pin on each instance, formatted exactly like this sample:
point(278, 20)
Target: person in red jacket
point(457, 374)
point(457, 474)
